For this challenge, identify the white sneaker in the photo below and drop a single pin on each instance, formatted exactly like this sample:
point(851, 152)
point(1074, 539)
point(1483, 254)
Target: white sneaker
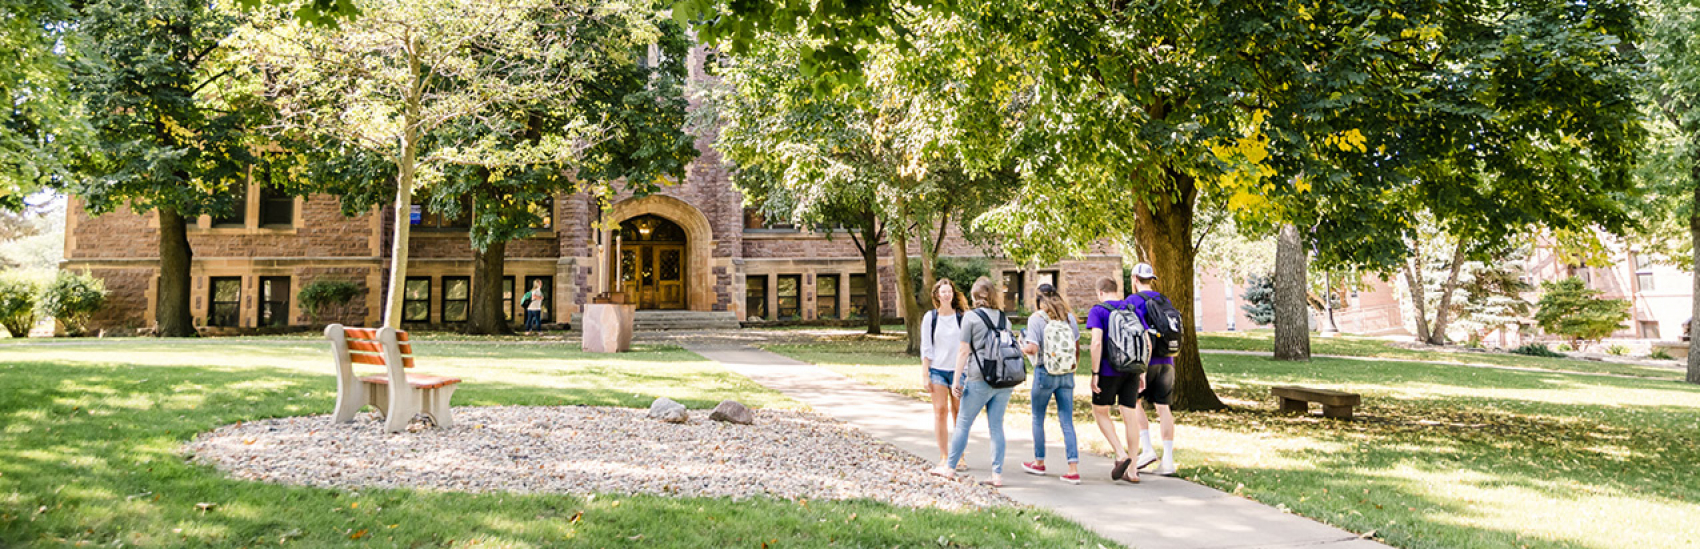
point(1167, 470)
point(1146, 458)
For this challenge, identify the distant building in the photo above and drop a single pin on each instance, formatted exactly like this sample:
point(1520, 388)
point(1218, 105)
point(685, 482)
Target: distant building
point(692, 247)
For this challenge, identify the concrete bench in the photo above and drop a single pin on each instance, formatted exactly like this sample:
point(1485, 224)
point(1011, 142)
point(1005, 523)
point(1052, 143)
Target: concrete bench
point(1335, 404)
point(398, 402)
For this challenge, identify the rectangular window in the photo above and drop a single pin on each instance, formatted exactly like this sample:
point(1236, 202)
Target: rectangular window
point(1013, 284)
point(548, 294)
point(224, 300)
point(1649, 329)
point(416, 299)
point(425, 218)
point(508, 298)
point(274, 301)
point(755, 297)
point(858, 296)
point(1644, 282)
point(277, 209)
point(457, 292)
point(545, 211)
point(790, 297)
point(826, 296)
point(238, 216)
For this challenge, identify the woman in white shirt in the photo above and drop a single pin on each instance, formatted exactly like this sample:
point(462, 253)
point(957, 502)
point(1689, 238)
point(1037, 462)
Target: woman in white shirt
point(941, 330)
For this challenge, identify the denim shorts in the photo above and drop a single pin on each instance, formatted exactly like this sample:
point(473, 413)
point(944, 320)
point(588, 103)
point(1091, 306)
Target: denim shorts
point(942, 377)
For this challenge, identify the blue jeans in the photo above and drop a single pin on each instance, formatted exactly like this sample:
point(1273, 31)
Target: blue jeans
point(533, 320)
point(1046, 386)
point(977, 395)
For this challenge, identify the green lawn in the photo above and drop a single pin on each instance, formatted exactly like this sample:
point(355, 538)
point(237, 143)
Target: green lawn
point(1263, 340)
point(1443, 455)
point(90, 436)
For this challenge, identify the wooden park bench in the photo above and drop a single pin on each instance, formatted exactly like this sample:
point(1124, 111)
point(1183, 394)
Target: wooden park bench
point(1335, 404)
point(398, 402)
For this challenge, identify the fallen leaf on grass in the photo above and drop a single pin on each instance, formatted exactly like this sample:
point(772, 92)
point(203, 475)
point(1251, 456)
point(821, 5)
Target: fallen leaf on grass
point(358, 535)
point(576, 516)
point(204, 506)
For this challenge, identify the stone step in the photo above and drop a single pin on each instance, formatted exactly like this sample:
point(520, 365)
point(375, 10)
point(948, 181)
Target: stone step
point(652, 321)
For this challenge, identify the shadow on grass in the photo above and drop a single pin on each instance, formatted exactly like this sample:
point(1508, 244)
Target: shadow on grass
point(90, 453)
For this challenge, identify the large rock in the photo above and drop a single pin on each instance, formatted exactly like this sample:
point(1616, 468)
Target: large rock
point(732, 412)
point(666, 410)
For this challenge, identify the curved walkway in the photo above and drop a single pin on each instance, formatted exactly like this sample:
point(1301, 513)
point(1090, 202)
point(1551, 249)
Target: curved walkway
point(1160, 513)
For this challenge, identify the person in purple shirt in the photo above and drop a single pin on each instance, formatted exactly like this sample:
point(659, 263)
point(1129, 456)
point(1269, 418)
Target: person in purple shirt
point(1110, 388)
point(1159, 384)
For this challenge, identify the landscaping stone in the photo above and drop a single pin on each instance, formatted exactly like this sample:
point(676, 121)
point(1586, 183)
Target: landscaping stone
point(666, 410)
point(731, 412)
point(588, 450)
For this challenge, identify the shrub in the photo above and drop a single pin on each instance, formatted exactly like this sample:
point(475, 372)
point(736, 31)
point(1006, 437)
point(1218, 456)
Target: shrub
point(20, 302)
point(1660, 354)
point(1617, 350)
point(1259, 299)
point(73, 298)
point(1572, 309)
point(963, 272)
point(320, 295)
point(1537, 349)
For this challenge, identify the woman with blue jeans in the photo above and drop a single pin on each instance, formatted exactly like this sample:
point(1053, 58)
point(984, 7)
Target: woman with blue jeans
point(1046, 386)
point(971, 386)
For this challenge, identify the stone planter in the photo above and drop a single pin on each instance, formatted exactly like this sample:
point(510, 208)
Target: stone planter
point(608, 327)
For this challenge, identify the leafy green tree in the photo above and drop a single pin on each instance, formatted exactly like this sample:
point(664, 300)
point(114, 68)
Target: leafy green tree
point(413, 91)
point(1570, 308)
point(171, 118)
point(1259, 299)
point(1344, 116)
point(39, 119)
point(1491, 296)
point(1671, 177)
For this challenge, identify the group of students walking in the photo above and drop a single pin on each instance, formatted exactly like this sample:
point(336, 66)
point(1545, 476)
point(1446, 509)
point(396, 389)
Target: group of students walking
point(966, 349)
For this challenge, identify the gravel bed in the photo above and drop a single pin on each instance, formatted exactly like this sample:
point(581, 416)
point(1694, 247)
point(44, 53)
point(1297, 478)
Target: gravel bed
point(584, 450)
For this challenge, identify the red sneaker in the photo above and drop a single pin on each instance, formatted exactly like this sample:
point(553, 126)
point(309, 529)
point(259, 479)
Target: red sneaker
point(1071, 479)
point(1033, 468)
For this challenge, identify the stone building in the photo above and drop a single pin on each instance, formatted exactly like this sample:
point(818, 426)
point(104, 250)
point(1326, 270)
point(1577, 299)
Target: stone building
point(692, 247)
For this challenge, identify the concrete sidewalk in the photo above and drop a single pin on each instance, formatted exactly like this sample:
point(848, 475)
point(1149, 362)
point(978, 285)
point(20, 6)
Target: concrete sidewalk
point(1159, 513)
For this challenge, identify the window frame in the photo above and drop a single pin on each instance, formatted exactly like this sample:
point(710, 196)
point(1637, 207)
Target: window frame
point(426, 300)
point(213, 303)
point(1645, 281)
point(272, 305)
point(238, 218)
point(510, 299)
point(466, 304)
point(858, 302)
point(270, 197)
point(1012, 293)
point(779, 298)
point(755, 297)
point(826, 305)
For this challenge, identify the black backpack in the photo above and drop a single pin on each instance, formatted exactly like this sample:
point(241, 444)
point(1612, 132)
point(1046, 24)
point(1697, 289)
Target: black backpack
point(1126, 343)
point(1005, 367)
point(1165, 323)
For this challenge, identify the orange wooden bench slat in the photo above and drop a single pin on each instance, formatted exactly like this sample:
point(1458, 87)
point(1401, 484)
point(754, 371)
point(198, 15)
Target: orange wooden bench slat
point(419, 381)
point(362, 358)
point(366, 346)
point(361, 333)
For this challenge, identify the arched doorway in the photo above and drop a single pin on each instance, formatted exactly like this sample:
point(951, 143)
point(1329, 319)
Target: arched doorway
point(653, 261)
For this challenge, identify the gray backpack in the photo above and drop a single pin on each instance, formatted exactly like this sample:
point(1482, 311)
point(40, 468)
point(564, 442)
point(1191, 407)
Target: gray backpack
point(1001, 364)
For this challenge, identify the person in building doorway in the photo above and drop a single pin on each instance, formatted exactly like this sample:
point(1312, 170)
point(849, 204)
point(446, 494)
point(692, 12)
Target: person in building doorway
point(533, 302)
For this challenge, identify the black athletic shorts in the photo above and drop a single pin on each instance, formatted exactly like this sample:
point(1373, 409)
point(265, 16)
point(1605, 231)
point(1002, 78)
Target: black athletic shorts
point(1159, 383)
point(1122, 389)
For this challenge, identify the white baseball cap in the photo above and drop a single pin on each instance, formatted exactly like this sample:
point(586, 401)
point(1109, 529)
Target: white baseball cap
point(1144, 271)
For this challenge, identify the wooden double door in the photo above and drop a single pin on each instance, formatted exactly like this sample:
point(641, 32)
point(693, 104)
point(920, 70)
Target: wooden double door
point(654, 274)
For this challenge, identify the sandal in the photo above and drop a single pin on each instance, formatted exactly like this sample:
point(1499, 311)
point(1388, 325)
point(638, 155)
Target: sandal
point(992, 483)
point(942, 472)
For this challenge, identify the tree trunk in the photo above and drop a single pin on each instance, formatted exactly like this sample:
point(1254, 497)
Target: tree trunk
point(1292, 311)
point(1694, 308)
point(929, 265)
point(171, 311)
point(1165, 229)
point(398, 248)
point(1414, 283)
point(488, 270)
point(905, 286)
point(871, 270)
point(1437, 333)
